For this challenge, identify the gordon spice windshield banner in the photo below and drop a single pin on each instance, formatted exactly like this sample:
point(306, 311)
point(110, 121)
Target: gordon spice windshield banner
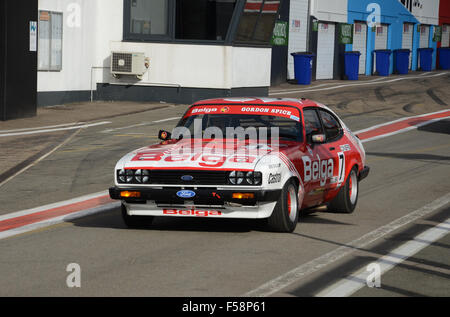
point(285, 112)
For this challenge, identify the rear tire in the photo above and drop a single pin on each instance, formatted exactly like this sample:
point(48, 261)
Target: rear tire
point(136, 222)
point(285, 215)
point(346, 199)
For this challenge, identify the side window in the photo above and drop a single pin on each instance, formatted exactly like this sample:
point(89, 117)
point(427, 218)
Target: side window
point(312, 123)
point(331, 125)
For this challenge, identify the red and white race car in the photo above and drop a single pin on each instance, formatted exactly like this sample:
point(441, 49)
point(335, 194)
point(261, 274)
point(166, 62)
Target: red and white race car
point(253, 158)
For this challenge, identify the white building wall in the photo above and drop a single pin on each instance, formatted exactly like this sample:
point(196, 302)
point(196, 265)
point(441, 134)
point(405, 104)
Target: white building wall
point(330, 10)
point(427, 12)
point(78, 48)
point(87, 55)
point(298, 31)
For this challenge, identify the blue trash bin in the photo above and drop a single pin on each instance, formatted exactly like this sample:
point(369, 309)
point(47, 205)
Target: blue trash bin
point(352, 65)
point(426, 59)
point(383, 58)
point(303, 62)
point(401, 61)
point(444, 57)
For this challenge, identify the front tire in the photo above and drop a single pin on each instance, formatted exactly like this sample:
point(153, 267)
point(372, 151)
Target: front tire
point(135, 222)
point(346, 199)
point(285, 215)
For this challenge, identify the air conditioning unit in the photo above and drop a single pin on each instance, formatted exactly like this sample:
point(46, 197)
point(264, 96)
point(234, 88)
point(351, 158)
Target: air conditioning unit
point(128, 63)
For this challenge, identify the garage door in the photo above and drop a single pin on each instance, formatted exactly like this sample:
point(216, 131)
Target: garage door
point(381, 37)
point(424, 36)
point(325, 51)
point(445, 35)
point(360, 44)
point(407, 39)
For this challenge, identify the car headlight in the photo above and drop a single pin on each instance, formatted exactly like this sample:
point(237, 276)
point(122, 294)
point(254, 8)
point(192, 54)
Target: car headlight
point(254, 178)
point(121, 176)
point(242, 178)
point(142, 176)
point(133, 176)
point(236, 178)
point(129, 176)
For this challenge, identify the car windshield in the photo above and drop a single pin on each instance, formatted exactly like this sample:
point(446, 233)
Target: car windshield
point(233, 125)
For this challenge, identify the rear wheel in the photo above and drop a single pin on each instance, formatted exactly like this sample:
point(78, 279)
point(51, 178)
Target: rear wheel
point(345, 201)
point(284, 217)
point(136, 222)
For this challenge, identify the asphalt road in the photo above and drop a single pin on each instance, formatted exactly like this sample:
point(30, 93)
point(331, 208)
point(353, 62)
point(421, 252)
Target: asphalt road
point(207, 257)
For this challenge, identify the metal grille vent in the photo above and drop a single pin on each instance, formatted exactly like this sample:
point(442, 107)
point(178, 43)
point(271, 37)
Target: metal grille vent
point(122, 62)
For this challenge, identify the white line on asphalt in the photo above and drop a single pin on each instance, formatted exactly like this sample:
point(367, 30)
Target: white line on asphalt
point(165, 120)
point(41, 128)
point(322, 85)
point(357, 280)
point(52, 206)
point(422, 124)
point(41, 158)
point(55, 130)
point(357, 84)
point(139, 125)
point(399, 120)
point(296, 274)
point(60, 219)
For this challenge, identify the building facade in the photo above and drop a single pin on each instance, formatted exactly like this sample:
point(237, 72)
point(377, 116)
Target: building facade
point(190, 50)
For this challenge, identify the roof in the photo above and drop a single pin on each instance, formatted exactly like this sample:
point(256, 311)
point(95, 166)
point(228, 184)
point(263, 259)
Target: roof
point(298, 103)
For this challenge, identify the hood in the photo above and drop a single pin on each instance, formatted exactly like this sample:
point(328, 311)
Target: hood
point(196, 154)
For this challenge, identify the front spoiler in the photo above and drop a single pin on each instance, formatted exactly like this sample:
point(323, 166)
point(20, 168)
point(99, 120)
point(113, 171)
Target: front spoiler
point(364, 173)
point(204, 196)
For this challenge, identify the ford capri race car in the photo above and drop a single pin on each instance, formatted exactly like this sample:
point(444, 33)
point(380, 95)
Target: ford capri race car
point(244, 158)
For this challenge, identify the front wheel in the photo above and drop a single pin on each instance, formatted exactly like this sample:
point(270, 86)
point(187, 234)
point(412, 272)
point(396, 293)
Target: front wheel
point(345, 201)
point(284, 217)
point(135, 222)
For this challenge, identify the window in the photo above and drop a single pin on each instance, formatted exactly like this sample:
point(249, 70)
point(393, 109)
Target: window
point(257, 21)
point(312, 123)
point(331, 125)
point(240, 21)
point(203, 19)
point(147, 18)
point(50, 32)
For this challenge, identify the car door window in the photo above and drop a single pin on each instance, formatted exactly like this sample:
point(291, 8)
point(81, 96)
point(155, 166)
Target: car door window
point(312, 123)
point(331, 125)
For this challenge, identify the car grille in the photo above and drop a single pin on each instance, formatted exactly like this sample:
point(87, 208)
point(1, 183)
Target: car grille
point(198, 177)
point(171, 177)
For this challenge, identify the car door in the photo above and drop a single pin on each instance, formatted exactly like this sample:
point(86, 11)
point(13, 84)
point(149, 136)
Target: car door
point(333, 150)
point(314, 190)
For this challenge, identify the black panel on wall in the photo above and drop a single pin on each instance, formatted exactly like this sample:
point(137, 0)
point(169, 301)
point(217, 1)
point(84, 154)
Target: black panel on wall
point(280, 53)
point(19, 65)
point(312, 45)
point(339, 57)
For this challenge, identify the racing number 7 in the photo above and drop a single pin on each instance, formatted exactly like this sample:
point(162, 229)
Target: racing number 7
point(341, 174)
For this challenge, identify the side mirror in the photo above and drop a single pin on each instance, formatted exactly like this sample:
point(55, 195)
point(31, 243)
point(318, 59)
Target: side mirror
point(318, 138)
point(164, 135)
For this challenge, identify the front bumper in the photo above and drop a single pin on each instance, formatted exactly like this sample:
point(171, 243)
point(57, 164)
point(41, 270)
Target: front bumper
point(208, 202)
point(203, 196)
